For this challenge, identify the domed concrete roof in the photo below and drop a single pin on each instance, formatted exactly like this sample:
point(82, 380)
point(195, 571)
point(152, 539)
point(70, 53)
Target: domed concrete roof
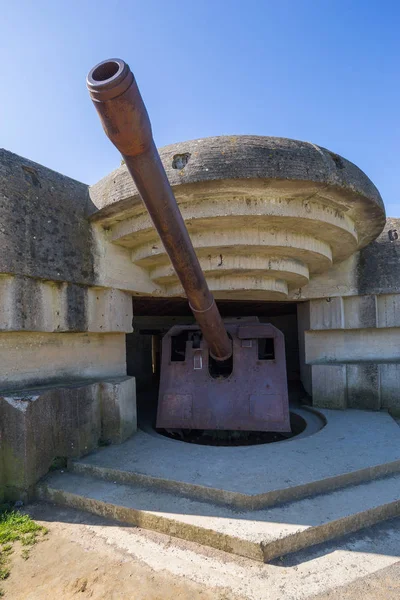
point(264, 213)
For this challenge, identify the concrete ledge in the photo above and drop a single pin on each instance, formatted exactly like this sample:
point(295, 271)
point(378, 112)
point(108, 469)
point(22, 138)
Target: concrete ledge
point(228, 498)
point(340, 346)
point(70, 420)
point(32, 359)
point(28, 304)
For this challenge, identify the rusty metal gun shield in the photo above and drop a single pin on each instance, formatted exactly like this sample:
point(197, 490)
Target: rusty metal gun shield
point(248, 392)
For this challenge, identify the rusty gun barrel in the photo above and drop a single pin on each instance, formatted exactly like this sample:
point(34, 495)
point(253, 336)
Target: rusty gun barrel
point(125, 121)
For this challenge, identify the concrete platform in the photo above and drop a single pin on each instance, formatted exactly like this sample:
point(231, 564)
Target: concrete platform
point(353, 447)
point(260, 502)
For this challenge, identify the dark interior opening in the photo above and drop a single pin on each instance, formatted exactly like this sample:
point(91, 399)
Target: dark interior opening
point(235, 438)
point(178, 347)
point(105, 71)
point(266, 349)
point(220, 368)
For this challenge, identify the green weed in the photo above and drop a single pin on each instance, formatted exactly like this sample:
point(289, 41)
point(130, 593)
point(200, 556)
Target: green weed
point(16, 527)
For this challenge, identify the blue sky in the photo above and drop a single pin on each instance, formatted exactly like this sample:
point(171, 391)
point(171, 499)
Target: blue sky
point(325, 71)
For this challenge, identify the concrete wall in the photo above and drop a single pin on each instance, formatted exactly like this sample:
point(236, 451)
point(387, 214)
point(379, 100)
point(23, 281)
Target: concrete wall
point(63, 384)
point(353, 348)
point(43, 231)
point(373, 270)
point(303, 324)
point(350, 329)
point(62, 421)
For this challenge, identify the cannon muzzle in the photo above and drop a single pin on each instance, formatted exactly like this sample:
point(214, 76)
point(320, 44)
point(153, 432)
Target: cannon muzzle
point(125, 121)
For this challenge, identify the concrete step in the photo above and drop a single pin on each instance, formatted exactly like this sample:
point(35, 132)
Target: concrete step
point(234, 499)
point(354, 447)
point(258, 534)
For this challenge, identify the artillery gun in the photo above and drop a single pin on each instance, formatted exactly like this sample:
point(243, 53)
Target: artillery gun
point(215, 375)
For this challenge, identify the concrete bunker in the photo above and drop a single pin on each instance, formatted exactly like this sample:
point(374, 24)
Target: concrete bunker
point(310, 253)
point(284, 231)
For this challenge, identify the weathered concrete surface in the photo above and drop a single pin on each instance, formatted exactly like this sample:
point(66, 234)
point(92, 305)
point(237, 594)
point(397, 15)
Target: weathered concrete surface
point(303, 325)
point(118, 409)
point(44, 232)
point(103, 556)
point(326, 313)
point(37, 426)
point(109, 310)
point(243, 191)
point(390, 387)
point(352, 347)
point(353, 447)
point(259, 535)
point(33, 358)
point(114, 268)
point(363, 386)
point(329, 386)
point(280, 211)
point(28, 304)
point(388, 310)
point(241, 157)
point(264, 214)
point(360, 312)
point(366, 385)
point(373, 270)
point(379, 263)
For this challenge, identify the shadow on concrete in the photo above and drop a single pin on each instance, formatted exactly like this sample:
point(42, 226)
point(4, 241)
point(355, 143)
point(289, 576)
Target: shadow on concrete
point(381, 539)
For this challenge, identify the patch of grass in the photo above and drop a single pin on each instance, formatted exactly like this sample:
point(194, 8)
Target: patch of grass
point(29, 540)
point(25, 553)
point(16, 527)
point(2, 592)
